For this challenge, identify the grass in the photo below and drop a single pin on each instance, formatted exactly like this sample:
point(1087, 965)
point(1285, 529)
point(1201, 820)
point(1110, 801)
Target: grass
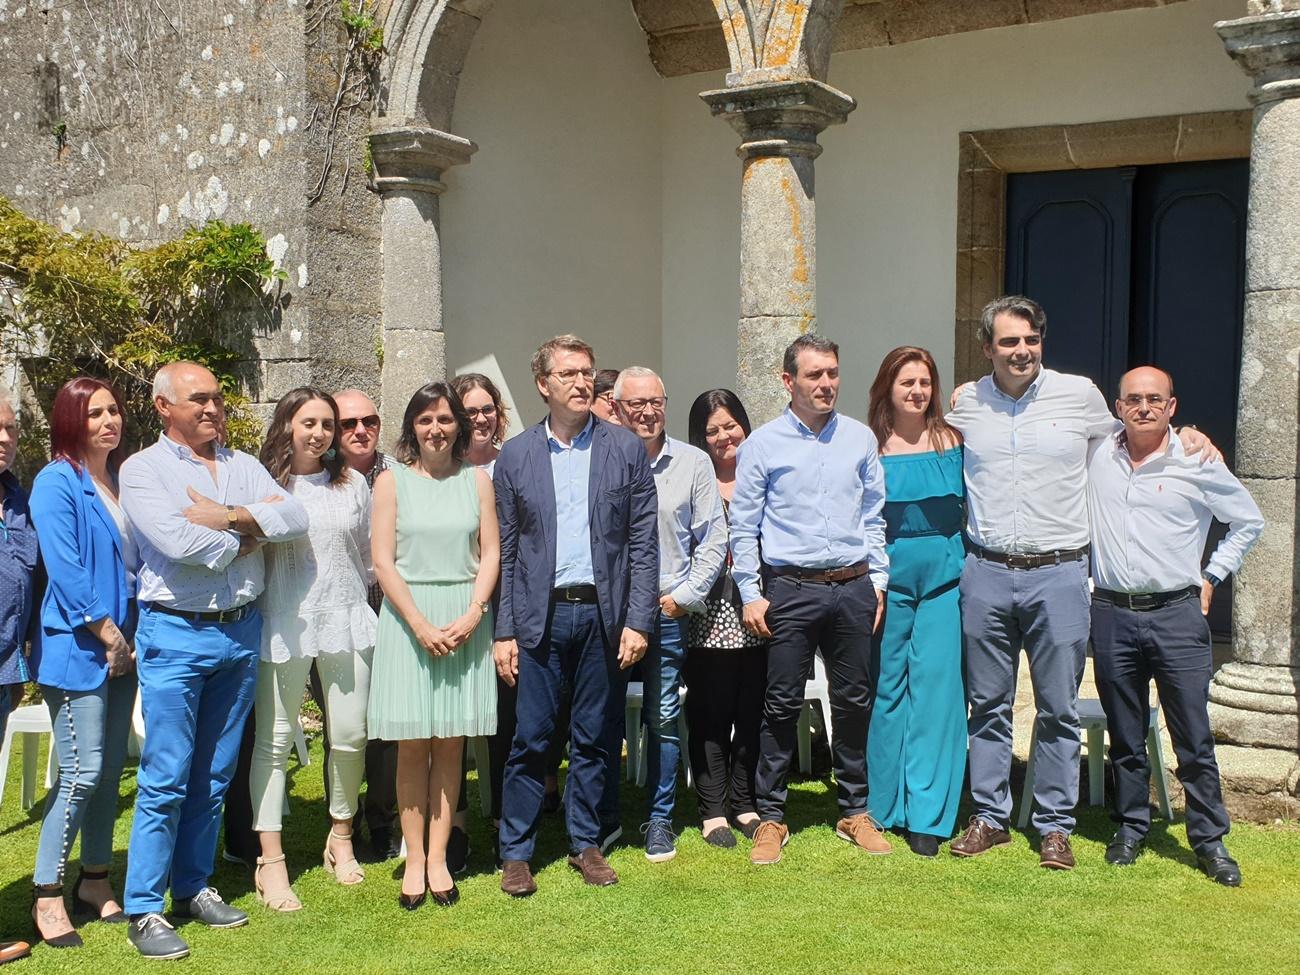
point(826, 908)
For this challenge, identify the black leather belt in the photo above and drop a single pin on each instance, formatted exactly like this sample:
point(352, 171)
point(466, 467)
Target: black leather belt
point(844, 573)
point(1035, 560)
point(204, 616)
point(1144, 601)
point(574, 594)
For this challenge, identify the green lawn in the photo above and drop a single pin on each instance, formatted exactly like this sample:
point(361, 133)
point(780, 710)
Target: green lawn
point(826, 908)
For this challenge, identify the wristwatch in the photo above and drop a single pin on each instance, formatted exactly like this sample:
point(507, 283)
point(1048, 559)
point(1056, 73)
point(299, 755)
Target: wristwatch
point(483, 605)
point(1212, 579)
point(232, 515)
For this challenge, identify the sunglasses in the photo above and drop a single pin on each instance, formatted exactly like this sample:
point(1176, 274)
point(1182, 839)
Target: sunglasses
point(370, 422)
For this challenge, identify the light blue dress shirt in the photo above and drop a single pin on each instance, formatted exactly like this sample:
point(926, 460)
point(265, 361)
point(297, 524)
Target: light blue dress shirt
point(692, 529)
point(814, 500)
point(571, 472)
point(186, 566)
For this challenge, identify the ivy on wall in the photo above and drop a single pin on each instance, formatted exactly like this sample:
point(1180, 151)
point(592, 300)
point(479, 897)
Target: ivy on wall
point(83, 303)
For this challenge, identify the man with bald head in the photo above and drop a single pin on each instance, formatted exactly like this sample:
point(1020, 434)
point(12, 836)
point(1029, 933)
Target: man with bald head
point(1150, 507)
point(201, 513)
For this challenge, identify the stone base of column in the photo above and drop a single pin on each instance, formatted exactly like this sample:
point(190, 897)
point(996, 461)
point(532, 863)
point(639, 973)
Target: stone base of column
point(1255, 713)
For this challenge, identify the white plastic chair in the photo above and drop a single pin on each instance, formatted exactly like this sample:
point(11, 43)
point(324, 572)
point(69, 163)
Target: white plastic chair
point(1092, 722)
point(30, 722)
point(632, 726)
point(817, 689)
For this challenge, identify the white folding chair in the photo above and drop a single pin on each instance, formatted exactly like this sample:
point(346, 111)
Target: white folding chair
point(816, 689)
point(31, 722)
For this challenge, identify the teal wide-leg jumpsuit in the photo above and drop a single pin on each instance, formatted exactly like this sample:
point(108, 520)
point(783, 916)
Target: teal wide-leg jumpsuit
point(916, 748)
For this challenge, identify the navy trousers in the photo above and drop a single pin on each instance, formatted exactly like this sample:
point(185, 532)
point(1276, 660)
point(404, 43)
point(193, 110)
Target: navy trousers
point(573, 652)
point(1172, 646)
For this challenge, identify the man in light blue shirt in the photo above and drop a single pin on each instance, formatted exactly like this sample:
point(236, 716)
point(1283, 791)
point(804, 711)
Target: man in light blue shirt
point(809, 495)
point(692, 548)
point(200, 513)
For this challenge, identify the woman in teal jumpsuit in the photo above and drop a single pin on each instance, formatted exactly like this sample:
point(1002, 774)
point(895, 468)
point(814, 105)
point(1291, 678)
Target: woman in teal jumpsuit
point(916, 748)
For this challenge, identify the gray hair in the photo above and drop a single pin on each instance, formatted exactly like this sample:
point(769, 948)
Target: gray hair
point(1016, 305)
point(811, 341)
point(162, 383)
point(636, 372)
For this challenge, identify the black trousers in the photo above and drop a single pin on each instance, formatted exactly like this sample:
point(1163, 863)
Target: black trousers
point(237, 817)
point(1172, 646)
point(724, 711)
point(835, 617)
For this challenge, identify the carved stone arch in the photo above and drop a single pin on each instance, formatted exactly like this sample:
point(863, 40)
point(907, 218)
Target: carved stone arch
point(427, 41)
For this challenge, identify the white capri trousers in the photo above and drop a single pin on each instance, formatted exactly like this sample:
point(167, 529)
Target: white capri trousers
point(345, 680)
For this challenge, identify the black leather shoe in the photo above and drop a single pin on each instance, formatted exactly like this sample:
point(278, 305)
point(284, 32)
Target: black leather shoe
point(154, 938)
point(208, 908)
point(1216, 864)
point(446, 898)
point(1122, 851)
point(457, 852)
point(923, 844)
point(411, 902)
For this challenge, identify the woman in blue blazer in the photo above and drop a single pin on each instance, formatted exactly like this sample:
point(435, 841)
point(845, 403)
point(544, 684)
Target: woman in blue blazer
point(82, 657)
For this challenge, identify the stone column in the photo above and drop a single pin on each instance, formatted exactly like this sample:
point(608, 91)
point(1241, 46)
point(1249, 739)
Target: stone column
point(778, 123)
point(408, 166)
point(1255, 699)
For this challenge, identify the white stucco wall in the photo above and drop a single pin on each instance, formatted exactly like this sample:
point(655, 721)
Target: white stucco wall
point(887, 180)
point(553, 226)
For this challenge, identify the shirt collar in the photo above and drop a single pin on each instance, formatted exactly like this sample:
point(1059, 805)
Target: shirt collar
point(13, 489)
point(1173, 448)
point(804, 430)
point(665, 453)
point(1030, 391)
point(581, 441)
point(184, 452)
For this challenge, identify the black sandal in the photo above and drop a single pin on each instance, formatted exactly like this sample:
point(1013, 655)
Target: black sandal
point(84, 908)
point(69, 940)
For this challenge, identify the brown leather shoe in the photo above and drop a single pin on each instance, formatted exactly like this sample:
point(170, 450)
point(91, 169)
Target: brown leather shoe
point(13, 950)
point(979, 838)
point(591, 864)
point(517, 879)
point(769, 838)
point(1055, 852)
point(861, 831)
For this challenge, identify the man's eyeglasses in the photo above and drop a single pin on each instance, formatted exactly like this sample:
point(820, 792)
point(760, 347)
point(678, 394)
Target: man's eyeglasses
point(473, 412)
point(655, 403)
point(570, 376)
point(1154, 400)
point(370, 422)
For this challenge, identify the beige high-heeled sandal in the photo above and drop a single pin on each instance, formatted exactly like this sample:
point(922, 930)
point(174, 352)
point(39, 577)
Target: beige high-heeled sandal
point(349, 873)
point(284, 899)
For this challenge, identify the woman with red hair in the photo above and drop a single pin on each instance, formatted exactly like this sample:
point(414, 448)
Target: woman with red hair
point(916, 747)
point(81, 655)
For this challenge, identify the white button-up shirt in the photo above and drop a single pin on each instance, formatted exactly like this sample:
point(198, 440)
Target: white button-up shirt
point(1026, 461)
point(186, 566)
point(1149, 525)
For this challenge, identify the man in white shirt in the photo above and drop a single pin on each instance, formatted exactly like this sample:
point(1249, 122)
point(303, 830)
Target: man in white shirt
point(1151, 509)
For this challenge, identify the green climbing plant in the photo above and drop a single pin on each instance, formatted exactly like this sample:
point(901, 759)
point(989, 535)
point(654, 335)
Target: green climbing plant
point(83, 303)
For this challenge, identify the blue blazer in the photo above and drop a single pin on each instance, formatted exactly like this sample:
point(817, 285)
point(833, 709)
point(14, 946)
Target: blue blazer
point(623, 508)
point(82, 551)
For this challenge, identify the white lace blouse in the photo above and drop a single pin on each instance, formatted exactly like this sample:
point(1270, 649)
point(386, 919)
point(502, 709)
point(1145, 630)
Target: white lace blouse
point(315, 596)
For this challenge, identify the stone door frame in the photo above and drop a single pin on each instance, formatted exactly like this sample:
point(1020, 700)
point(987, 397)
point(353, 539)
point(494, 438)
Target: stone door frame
point(987, 157)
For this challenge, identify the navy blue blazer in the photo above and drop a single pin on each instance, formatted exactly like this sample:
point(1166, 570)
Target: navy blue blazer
point(82, 550)
point(623, 510)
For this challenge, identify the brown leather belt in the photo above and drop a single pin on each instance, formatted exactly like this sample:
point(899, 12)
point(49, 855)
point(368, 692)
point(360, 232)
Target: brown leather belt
point(843, 573)
point(1144, 601)
point(1034, 560)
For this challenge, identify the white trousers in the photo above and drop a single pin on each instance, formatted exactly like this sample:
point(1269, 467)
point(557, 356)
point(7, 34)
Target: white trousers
point(345, 680)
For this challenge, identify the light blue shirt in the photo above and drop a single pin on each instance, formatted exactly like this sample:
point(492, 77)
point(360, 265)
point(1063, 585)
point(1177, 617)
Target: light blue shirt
point(571, 472)
point(186, 566)
point(692, 530)
point(812, 500)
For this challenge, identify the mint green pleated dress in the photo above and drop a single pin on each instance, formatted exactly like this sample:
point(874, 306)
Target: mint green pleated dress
point(414, 694)
point(916, 748)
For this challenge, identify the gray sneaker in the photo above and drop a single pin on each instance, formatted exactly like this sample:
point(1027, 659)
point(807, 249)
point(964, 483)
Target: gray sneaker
point(660, 843)
point(154, 938)
point(208, 908)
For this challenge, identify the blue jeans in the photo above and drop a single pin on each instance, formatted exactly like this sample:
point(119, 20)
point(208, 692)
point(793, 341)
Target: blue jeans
point(662, 708)
point(196, 689)
point(90, 735)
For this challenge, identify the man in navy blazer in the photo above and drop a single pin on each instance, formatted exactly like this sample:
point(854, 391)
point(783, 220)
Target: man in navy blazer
point(579, 594)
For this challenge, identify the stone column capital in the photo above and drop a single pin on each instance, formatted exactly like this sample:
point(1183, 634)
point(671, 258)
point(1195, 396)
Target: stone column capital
point(780, 118)
point(413, 158)
point(1268, 49)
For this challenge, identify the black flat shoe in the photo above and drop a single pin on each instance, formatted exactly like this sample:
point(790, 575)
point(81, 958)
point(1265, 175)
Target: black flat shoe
point(458, 851)
point(748, 829)
point(721, 836)
point(446, 898)
point(411, 902)
point(1216, 864)
point(923, 845)
point(1122, 852)
point(84, 908)
point(69, 939)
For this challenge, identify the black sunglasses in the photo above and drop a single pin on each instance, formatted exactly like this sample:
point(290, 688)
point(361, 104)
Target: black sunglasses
point(371, 422)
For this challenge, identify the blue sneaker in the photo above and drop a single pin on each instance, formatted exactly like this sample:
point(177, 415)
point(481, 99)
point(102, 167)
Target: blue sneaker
point(659, 840)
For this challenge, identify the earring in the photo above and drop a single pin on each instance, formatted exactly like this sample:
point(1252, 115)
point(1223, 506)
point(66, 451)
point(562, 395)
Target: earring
point(330, 454)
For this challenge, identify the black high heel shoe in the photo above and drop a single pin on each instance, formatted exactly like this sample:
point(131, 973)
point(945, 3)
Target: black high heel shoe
point(69, 940)
point(84, 908)
point(411, 902)
point(446, 898)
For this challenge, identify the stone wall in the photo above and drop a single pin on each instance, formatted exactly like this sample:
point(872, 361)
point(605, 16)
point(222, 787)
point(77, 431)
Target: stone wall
point(137, 119)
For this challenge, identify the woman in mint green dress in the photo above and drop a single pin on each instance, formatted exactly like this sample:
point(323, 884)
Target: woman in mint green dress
point(916, 747)
point(436, 551)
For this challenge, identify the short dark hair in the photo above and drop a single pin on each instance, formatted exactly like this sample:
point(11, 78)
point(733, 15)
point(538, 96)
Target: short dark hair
point(544, 357)
point(1017, 305)
point(604, 383)
point(704, 407)
point(468, 381)
point(407, 449)
point(809, 341)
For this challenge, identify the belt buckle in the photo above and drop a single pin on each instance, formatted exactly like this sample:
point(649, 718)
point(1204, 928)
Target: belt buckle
point(568, 595)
